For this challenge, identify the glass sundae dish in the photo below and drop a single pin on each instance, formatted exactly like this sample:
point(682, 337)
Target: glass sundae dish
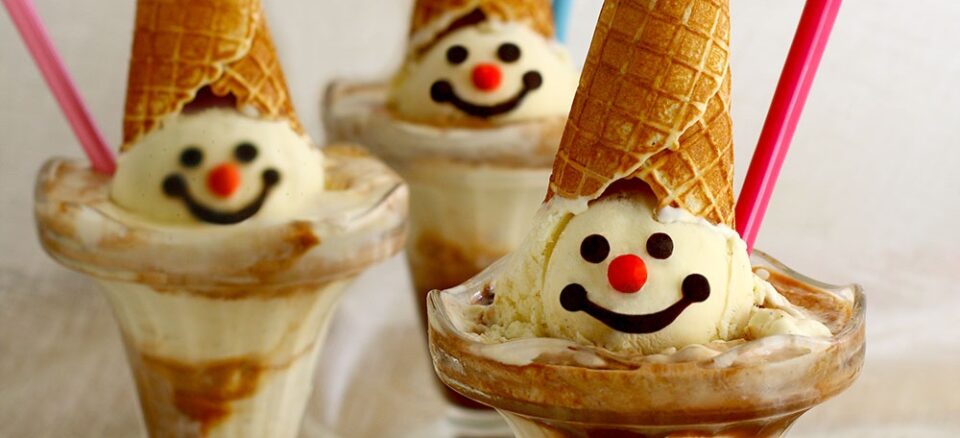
point(632, 308)
point(549, 387)
point(225, 238)
point(472, 121)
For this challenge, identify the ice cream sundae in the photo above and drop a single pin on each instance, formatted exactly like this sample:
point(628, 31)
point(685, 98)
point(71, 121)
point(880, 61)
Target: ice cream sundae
point(632, 308)
point(472, 121)
point(225, 238)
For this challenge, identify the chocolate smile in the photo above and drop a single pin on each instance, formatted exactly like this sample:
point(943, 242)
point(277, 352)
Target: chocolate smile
point(696, 289)
point(175, 186)
point(442, 92)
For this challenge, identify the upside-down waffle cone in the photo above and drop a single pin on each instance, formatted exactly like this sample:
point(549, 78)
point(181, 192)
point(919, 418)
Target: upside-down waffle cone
point(432, 17)
point(181, 46)
point(650, 86)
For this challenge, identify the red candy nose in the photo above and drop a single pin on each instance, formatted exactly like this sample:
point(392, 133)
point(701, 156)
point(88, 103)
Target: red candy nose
point(487, 77)
point(224, 180)
point(627, 273)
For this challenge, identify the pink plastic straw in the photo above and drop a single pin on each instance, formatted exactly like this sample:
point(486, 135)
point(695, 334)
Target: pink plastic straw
point(788, 101)
point(38, 42)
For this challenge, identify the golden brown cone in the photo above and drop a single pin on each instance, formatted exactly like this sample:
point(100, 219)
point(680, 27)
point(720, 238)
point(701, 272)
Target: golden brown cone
point(434, 16)
point(698, 175)
point(654, 69)
point(181, 46)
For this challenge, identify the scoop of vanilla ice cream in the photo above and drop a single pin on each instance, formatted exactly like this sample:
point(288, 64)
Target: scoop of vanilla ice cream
point(528, 295)
point(628, 224)
point(267, 159)
point(454, 58)
point(562, 251)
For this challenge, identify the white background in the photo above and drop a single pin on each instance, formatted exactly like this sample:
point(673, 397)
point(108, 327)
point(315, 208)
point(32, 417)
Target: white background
point(870, 193)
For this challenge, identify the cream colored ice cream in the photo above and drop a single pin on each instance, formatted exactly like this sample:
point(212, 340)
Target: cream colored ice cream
point(225, 162)
point(778, 316)
point(623, 275)
point(497, 71)
point(668, 255)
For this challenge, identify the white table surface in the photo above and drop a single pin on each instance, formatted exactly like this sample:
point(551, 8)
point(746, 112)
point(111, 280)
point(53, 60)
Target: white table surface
point(870, 193)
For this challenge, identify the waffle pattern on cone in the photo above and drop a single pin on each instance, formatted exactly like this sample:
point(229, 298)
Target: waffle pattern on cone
point(653, 67)
point(181, 46)
point(537, 13)
point(698, 175)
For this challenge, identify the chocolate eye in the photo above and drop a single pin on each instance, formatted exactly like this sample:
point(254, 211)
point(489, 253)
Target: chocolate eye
point(696, 288)
point(174, 185)
point(191, 157)
point(660, 246)
point(595, 248)
point(457, 54)
point(271, 177)
point(245, 152)
point(508, 52)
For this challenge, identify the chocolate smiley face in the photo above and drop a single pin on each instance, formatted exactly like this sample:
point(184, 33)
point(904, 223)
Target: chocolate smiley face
point(616, 275)
point(487, 77)
point(490, 71)
point(221, 167)
point(222, 180)
point(627, 274)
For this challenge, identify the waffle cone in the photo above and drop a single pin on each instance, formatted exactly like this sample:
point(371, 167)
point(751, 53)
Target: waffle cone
point(652, 104)
point(181, 46)
point(432, 17)
point(698, 175)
